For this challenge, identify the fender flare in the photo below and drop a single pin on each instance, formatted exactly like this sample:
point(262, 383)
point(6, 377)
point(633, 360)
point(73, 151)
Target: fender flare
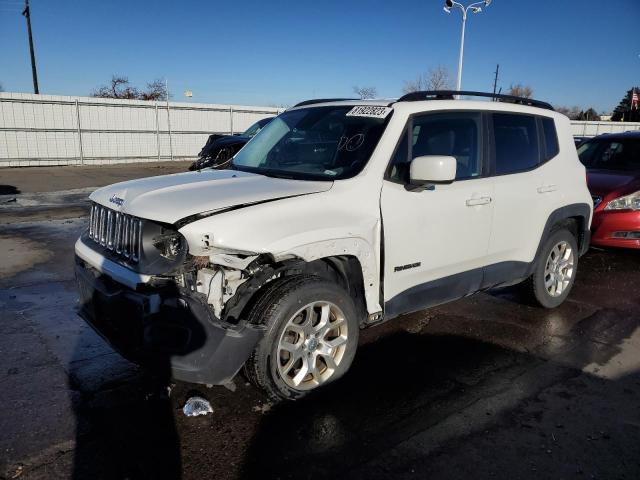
point(575, 210)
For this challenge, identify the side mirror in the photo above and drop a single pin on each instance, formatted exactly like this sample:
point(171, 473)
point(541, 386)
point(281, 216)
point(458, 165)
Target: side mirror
point(432, 169)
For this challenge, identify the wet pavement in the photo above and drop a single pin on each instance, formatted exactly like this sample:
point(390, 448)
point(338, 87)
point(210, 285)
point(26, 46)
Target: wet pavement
point(486, 387)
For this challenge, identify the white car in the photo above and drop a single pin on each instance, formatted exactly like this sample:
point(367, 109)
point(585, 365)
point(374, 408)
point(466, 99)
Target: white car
point(338, 215)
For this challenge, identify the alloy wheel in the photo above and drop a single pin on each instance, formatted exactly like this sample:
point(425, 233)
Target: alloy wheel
point(312, 345)
point(559, 269)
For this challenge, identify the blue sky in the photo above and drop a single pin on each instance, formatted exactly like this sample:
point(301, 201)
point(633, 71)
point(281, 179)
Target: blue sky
point(571, 52)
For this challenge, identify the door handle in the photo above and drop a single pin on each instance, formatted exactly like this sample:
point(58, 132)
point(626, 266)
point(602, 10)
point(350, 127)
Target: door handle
point(472, 202)
point(547, 188)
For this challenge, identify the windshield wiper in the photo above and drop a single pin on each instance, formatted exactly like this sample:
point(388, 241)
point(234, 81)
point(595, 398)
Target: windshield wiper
point(276, 174)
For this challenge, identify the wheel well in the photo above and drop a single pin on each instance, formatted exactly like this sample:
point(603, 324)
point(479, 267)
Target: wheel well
point(577, 226)
point(345, 270)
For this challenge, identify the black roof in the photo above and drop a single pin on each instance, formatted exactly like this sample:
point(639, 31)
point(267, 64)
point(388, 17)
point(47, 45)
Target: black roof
point(321, 100)
point(450, 95)
point(445, 95)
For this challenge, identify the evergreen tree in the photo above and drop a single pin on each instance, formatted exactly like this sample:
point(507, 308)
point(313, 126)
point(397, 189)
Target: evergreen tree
point(623, 112)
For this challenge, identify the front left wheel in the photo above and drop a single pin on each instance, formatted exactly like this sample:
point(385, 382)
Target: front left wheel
point(311, 336)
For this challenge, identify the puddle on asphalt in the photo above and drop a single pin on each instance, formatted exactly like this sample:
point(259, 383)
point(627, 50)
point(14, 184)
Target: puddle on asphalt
point(18, 254)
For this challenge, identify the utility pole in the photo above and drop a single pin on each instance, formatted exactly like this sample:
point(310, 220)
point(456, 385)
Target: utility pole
point(166, 87)
point(27, 13)
point(495, 80)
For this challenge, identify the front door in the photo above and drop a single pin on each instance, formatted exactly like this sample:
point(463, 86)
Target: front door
point(436, 240)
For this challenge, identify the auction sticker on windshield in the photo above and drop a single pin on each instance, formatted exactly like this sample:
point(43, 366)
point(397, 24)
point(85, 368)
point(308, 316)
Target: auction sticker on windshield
point(373, 111)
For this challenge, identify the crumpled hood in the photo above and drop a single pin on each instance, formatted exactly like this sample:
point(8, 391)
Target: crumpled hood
point(169, 198)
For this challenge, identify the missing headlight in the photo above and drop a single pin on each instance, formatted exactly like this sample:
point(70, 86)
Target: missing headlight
point(170, 244)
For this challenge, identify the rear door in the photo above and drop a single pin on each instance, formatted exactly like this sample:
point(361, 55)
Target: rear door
point(521, 193)
point(436, 240)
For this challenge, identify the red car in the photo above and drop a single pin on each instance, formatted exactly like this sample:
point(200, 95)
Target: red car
point(613, 176)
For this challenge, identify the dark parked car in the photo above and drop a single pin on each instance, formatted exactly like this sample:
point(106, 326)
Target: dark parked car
point(613, 177)
point(219, 149)
point(578, 140)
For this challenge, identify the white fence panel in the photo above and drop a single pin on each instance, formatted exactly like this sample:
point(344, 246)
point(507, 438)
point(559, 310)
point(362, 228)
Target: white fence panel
point(591, 129)
point(61, 130)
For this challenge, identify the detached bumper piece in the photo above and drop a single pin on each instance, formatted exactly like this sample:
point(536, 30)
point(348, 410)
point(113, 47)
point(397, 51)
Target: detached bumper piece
point(161, 328)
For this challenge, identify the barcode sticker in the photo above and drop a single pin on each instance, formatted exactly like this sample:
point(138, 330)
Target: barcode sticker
point(373, 111)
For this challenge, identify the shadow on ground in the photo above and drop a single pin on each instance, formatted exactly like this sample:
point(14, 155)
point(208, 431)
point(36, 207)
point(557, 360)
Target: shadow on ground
point(410, 401)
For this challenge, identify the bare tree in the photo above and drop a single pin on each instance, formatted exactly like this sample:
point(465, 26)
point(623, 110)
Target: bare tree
point(156, 90)
point(119, 87)
point(572, 112)
point(519, 90)
point(365, 92)
point(438, 78)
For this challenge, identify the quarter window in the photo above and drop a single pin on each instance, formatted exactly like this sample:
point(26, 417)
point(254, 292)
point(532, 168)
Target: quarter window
point(550, 138)
point(516, 143)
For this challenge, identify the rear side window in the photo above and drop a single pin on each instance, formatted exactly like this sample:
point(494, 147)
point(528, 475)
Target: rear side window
point(550, 138)
point(516, 143)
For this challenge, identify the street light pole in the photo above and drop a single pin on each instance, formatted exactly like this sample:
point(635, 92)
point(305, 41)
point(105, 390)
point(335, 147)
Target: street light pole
point(475, 8)
point(461, 56)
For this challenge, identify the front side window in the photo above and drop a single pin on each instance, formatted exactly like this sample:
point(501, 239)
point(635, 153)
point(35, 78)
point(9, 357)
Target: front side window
point(619, 154)
point(321, 143)
point(455, 134)
point(516, 143)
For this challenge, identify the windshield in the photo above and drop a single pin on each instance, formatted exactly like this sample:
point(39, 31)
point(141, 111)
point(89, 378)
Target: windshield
point(256, 127)
point(318, 143)
point(611, 154)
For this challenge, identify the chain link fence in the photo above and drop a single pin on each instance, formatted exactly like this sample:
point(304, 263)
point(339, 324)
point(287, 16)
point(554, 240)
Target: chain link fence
point(39, 130)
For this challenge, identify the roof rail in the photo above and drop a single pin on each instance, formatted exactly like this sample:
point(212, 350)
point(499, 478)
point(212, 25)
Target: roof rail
point(321, 100)
point(450, 95)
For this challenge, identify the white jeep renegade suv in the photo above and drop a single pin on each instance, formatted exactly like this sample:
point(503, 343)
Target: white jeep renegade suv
point(338, 215)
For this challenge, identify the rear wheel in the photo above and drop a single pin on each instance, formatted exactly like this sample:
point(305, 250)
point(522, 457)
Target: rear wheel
point(310, 340)
point(555, 271)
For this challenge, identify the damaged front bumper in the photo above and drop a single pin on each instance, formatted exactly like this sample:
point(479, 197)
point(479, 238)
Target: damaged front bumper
point(164, 328)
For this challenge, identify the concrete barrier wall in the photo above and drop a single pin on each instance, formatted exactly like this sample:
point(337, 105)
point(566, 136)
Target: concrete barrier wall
point(38, 130)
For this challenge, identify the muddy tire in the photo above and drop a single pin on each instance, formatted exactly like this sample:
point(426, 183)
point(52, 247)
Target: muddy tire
point(555, 270)
point(310, 339)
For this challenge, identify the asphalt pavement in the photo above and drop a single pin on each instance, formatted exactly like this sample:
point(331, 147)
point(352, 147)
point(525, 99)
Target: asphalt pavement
point(486, 387)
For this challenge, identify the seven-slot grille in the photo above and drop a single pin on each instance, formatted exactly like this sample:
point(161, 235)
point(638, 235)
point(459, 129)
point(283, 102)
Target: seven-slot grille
point(116, 231)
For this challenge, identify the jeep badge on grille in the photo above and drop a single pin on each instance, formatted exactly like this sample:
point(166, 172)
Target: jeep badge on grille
point(117, 200)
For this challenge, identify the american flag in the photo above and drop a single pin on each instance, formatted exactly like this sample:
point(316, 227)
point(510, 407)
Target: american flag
point(634, 100)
